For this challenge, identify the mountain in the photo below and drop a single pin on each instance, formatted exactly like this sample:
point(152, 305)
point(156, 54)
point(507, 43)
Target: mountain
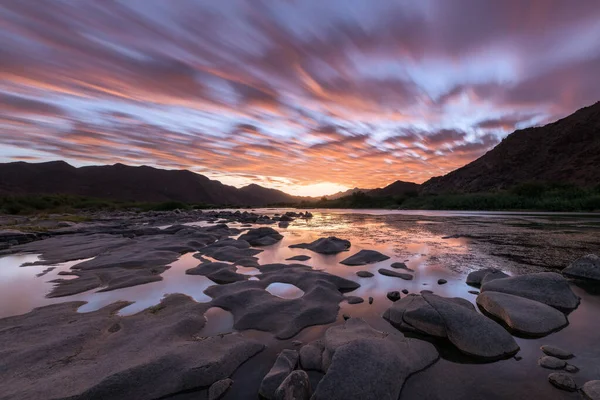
point(127, 183)
point(346, 193)
point(566, 151)
point(398, 188)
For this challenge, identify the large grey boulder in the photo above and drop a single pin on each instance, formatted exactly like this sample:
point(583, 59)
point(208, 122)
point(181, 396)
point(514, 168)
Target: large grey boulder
point(296, 386)
point(586, 268)
point(286, 362)
point(263, 236)
point(591, 390)
point(329, 245)
point(522, 315)
point(364, 257)
point(471, 332)
point(546, 287)
point(367, 364)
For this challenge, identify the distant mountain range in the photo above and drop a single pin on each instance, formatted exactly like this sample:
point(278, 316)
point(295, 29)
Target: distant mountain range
point(565, 151)
point(127, 183)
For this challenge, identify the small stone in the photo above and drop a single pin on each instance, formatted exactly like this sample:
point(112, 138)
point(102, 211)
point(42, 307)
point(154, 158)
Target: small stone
point(365, 274)
point(354, 299)
point(442, 281)
point(562, 381)
point(346, 317)
point(518, 358)
point(297, 343)
point(556, 352)
point(370, 300)
point(218, 389)
point(551, 362)
point(475, 292)
point(591, 390)
point(394, 295)
point(571, 368)
point(405, 291)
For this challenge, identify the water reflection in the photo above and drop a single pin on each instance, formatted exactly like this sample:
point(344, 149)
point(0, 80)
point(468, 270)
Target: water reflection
point(285, 290)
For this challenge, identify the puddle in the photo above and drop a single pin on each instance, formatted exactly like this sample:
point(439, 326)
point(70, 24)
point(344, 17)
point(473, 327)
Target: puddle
point(285, 290)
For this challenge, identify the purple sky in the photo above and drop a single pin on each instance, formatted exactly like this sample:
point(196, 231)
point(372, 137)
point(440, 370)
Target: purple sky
point(307, 96)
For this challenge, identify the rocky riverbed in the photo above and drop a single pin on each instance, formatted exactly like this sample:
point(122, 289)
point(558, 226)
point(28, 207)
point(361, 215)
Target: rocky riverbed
point(286, 304)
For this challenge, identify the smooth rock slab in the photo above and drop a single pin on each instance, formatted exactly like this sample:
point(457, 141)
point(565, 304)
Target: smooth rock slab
point(263, 236)
point(354, 299)
point(300, 257)
point(562, 381)
point(546, 287)
point(550, 362)
point(329, 245)
point(557, 352)
point(218, 389)
point(521, 315)
point(586, 268)
point(364, 257)
point(286, 362)
point(591, 390)
point(296, 386)
point(401, 265)
point(388, 272)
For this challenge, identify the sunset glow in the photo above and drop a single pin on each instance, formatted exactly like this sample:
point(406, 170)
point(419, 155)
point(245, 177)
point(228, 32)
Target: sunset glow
point(310, 97)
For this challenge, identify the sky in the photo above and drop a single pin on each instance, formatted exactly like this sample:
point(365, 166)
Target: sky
point(307, 96)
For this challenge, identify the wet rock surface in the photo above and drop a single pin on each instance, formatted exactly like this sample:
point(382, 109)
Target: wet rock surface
point(586, 269)
point(557, 352)
point(521, 315)
point(591, 390)
point(365, 274)
point(218, 272)
point(329, 245)
point(364, 257)
point(296, 386)
point(218, 389)
point(298, 258)
point(550, 362)
point(394, 274)
point(562, 381)
point(55, 352)
point(286, 362)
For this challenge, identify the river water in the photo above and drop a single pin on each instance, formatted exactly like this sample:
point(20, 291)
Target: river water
point(434, 244)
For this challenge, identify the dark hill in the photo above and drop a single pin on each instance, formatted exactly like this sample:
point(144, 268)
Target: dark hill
point(127, 183)
point(398, 188)
point(566, 151)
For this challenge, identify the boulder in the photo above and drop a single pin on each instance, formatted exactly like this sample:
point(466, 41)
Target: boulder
point(521, 315)
point(442, 281)
point(475, 277)
point(284, 365)
point(300, 257)
point(365, 274)
point(329, 245)
point(394, 295)
point(557, 352)
point(389, 272)
point(493, 276)
point(283, 224)
point(586, 268)
point(218, 389)
point(263, 236)
point(562, 381)
point(296, 386)
point(364, 364)
point(550, 362)
point(400, 265)
point(354, 299)
point(591, 390)
point(546, 287)
point(364, 257)
point(311, 356)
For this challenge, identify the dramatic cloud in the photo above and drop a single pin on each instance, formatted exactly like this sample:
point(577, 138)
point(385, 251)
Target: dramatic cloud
point(299, 95)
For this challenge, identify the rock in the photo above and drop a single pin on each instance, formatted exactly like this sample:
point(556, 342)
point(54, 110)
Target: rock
point(329, 245)
point(413, 313)
point(366, 364)
point(493, 276)
point(442, 281)
point(562, 381)
point(571, 368)
point(557, 352)
point(521, 315)
point(311, 356)
point(586, 268)
point(354, 299)
point(346, 317)
point(296, 386)
point(255, 308)
point(364, 257)
point(297, 343)
point(551, 362)
point(365, 274)
point(283, 224)
point(475, 292)
point(218, 389)
point(405, 291)
point(218, 272)
point(263, 236)
point(518, 358)
point(388, 272)
point(228, 253)
point(591, 390)
point(55, 352)
point(546, 287)
point(370, 300)
point(475, 277)
point(301, 257)
point(284, 365)
point(394, 295)
point(286, 218)
point(401, 265)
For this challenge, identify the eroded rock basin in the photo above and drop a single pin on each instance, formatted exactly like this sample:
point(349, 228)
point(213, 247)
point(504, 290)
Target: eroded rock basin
point(514, 244)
